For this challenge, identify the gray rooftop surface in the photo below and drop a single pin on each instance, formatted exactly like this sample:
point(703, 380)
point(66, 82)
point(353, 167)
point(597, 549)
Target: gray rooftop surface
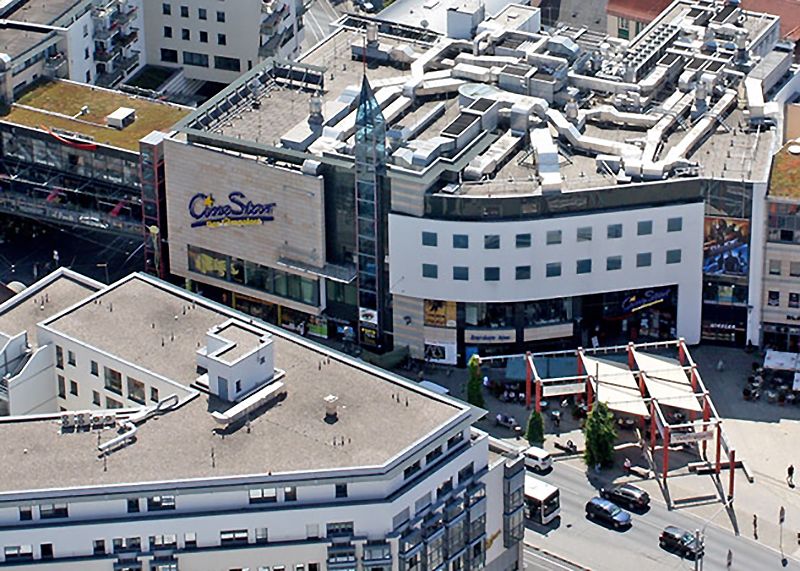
point(15, 42)
point(29, 308)
point(379, 416)
point(243, 339)
point(39, 11)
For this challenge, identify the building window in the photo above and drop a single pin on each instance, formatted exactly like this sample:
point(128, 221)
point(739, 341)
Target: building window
point(184, 11)
point(233, 537)
point(220, 16)
point(583, 266)
point(552, 270)
point(47, 550)
point(222, 39)
point(584, 234)
point(674, 224)
point(203, 37)
point(794, 269)
point(95, 398)
point(433, 455)
point(644, 227)
point(614, 231)
point(186, 35)
point(430, 239)
point(112, 404)
point(523, 272)
point(93, 368)
point(794, 300)
point(73, 388)
point(136, 390)
point(133, 505)
point(491, 242)
point(339, 528)
point(169, 56)
point(430, 271)
point(62, 387)
point(460, 241)
point(774, 267)
point(202, 14)
point(154, 394)
point(190, 540)
point(411, 470)
point(59, 357)
point(25, 513)
point(774, 299)
point(192, 58)
point(99, 546)
point(673, 256)
point(523, 240)
point(127, 544)
point(163, 541)
point(290, 494)
point(644, 259)
point(455, 440)
point(262, 535)
point(341, 490)
point(113, 380)
point(71, 358)
point(491, 274)
point(166, 9)
point(53, 511)
point(460, 273)
point(263, 496)
point(238, 386)
point(227, 63)
point(160, 503)
point(553, 237)
point(12, 552)
point(167, 31)
point(614, 263)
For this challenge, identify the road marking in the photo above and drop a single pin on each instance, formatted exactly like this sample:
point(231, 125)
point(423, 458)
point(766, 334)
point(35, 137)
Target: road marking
point(536, 555)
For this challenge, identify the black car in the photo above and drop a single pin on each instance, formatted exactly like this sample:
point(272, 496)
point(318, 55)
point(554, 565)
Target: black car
point(609, 512)
point(627, 495)
point(680, 541)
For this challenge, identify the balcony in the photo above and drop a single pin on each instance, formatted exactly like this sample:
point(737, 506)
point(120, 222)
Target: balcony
point(121, 18)
point(124, 40)
point(54, 63)
point(103, 32)
point(110, 79)
point(106, 56)
point(128, 64)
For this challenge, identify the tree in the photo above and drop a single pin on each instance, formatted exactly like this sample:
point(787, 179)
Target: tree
point(474, 385)
point(600, 434)
point(535, 434)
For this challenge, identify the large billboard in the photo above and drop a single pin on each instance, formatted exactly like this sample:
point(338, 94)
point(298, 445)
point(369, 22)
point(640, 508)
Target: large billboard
point(726, 246)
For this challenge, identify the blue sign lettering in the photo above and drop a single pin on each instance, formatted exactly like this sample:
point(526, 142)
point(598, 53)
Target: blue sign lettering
point(650, 297)
point(238, 211)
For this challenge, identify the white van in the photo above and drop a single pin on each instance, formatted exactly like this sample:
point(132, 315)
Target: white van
point(538, 459)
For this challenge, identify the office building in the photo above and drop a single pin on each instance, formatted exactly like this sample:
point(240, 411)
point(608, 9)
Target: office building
point(172, 433)
point(534, 188)
point(82, 156)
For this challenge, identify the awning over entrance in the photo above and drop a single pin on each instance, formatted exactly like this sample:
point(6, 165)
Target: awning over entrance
point(615, 385)
point(781, 361)
point(666, 381)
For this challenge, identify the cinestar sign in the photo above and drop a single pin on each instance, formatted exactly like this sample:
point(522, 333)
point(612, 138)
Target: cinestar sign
point(237, 211)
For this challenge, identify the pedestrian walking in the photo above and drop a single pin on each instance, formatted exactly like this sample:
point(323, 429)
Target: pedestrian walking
point(56, 258)
point(790, 475)
point(755, 526)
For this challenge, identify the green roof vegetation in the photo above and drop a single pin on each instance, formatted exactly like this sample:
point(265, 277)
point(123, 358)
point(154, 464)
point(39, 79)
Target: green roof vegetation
point(67, 99)
point(785, 178)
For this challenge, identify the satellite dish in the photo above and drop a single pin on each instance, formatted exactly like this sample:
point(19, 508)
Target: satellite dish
point(794, 149)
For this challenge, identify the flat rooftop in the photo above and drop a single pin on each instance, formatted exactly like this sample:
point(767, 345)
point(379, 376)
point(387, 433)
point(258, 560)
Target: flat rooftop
point(15, 41)
point(784, 180)
point(289, 437)
point(52, 295)
point(57, 105)
point(37, 11)
point(244, 341)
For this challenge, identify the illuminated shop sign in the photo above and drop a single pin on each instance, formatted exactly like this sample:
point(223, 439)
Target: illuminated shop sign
point(236, 211)
point(639, 301)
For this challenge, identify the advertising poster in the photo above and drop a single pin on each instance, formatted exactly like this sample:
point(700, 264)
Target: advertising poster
point(440, 313)
point(726, 246)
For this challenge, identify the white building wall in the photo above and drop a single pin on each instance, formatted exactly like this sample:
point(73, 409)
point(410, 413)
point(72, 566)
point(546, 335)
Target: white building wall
point(80, 42)
point(758, 241)
point(33, 390)
point(407, 254)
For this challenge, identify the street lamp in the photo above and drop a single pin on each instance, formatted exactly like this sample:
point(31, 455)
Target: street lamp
point(699, 535)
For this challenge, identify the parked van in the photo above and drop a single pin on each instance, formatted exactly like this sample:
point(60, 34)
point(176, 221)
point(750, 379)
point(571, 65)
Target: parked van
point(538, 459)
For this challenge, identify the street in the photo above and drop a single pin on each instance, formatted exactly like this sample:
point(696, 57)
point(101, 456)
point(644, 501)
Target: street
point(593, 546)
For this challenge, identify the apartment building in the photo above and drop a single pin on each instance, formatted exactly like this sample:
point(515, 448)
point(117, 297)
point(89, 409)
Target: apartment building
point(192, 437)
point(217, 41)
point(494, 188)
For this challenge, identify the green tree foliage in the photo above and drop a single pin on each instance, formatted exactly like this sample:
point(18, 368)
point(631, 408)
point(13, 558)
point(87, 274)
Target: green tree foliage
point(600, 434)
point(535, 433)
point(474, 385)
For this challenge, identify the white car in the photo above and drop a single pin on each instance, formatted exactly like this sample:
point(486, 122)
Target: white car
point(538, 459)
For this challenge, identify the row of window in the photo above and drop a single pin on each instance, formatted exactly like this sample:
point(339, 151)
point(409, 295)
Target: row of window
point(201, 60)
point(552, 237)
point(775, 268)
point(416, 467)
point(186, 35)
point(774, 299)
point(552, 269)
point(202, 13)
